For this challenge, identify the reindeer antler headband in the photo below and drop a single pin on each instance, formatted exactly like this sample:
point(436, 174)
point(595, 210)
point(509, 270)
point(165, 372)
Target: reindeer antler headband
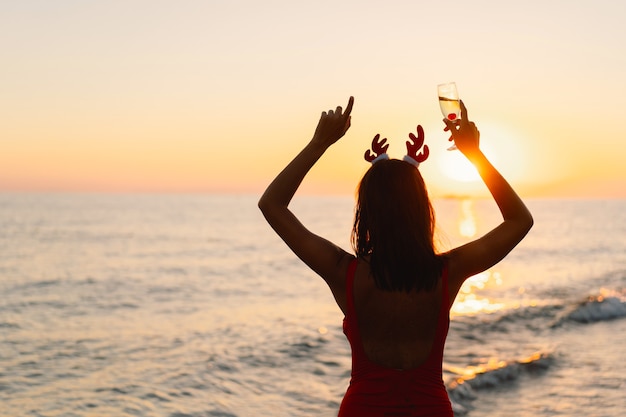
point(379, 149)
point(412, 157)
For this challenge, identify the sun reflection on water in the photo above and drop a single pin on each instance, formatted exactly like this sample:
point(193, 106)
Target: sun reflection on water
point(468, 302)
point(467, 223)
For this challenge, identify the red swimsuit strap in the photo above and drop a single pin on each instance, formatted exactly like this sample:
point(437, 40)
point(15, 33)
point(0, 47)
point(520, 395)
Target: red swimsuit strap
point(349, 288)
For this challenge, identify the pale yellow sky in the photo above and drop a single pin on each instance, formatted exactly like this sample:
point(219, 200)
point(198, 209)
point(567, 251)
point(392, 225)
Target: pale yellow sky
point(219, 95)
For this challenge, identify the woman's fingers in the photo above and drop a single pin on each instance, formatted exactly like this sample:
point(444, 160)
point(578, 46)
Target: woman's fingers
point(339, 109)
point(349, 107)
point(450, 125)
point(463, 111)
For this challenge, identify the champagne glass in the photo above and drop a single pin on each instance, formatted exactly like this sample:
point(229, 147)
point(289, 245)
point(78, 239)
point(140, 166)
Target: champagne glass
point(449, 104)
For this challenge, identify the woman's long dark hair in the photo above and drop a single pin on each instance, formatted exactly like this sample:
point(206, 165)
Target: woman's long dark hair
point(394, 225)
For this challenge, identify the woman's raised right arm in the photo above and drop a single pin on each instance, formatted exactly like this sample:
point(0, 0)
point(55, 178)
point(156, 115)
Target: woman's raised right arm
point(481, 254)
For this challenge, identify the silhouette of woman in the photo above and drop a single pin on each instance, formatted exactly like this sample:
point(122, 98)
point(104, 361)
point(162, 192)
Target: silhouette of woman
point(396, 291)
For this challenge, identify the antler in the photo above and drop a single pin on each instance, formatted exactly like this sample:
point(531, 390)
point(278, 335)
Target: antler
point(378, 147)
point(412, 148)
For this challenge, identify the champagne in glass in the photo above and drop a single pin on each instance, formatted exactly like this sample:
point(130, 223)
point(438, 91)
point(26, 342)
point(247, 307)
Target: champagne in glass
point(449, 103)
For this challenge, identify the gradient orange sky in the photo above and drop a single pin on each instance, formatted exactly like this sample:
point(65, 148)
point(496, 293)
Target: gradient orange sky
point(201, 96)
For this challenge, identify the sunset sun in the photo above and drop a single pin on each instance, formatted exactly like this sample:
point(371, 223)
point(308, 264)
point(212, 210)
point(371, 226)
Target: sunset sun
point(501, 145)
point(455, 166)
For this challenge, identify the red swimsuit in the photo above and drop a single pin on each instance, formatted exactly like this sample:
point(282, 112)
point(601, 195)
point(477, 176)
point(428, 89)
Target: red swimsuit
point(376, 391)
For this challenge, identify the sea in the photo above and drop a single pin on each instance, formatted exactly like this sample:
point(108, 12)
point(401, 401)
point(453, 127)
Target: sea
point(190, 306)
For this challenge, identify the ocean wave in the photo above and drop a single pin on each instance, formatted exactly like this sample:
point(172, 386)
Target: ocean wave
point(490, 375)
point(533, 317)
point(539, 316)
point(608, 305)
point(598, 308)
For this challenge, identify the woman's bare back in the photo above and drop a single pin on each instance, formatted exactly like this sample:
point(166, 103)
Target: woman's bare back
point(397, 328)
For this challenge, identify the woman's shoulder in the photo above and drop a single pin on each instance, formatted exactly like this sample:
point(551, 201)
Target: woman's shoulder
point(338, 282)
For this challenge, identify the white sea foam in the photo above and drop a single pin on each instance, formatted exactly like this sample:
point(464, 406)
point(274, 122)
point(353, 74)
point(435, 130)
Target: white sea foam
point(599, 308)
point(463, 390)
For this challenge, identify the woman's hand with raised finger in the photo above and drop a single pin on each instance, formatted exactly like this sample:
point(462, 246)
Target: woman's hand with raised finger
point(333, 125)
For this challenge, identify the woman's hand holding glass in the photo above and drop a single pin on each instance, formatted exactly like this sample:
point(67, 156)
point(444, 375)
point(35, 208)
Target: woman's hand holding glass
point(464, 133)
